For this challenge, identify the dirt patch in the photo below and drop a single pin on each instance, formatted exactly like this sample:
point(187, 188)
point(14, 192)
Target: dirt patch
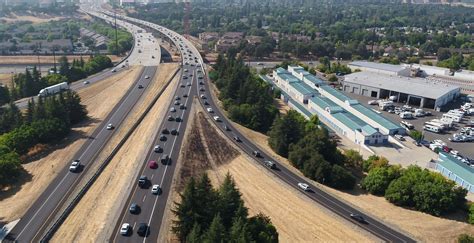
point(6, 79)
point(99, 99)
point(46, 59)
point(101, 210)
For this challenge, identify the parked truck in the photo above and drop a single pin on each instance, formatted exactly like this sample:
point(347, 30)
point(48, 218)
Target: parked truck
point(54, 89)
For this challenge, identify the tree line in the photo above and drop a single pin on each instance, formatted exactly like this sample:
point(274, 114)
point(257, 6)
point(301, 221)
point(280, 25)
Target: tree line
point(31, 82)
point(124, 38)
point(310, 149)
point(246, 97)
point(413, 187)
point(205, 214)
point(46, 121)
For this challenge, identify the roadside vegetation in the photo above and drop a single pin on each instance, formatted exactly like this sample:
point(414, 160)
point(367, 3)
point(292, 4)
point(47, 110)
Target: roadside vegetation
point(124, 38)
point(31, 82)
point(465, 238)
point(413, 187)
point(205, 214)
point(248, 100)
point(45, 122)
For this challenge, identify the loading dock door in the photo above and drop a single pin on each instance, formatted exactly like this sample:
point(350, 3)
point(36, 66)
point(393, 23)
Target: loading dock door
point(355, 90)
point(365, 92)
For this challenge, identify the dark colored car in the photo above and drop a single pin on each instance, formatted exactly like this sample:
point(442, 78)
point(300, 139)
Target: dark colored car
point(174, 132)
point(142, 181)
point(256, 154)
point(178, 119)
point(165, 131)
point(182, 107)
point(170, 118)
point(358, 218)
point(134, 208)
point(162, 138)
point(142, 229)
point(237, 139)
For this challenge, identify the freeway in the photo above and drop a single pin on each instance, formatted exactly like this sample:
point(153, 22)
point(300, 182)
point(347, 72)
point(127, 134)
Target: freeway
point(372, 225)
point(43, 211)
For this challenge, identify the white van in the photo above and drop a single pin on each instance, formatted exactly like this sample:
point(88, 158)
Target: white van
point(436, 124)
point(406, 115)
point(431, 128)
point(452, 117)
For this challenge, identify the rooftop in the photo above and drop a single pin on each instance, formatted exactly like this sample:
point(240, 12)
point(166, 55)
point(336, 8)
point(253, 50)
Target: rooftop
point(303, 88)
point(457, 167)
point(380, 66)
point(311, 78)
point(414, 86)
point(375, 117)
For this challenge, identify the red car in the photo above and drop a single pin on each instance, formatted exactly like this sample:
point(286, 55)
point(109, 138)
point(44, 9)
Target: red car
point(152, 164)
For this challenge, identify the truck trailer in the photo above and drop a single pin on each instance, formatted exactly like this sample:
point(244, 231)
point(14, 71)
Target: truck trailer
point(54, 89)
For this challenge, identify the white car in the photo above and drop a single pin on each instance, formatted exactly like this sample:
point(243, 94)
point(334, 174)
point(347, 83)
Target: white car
point(125, 229)
point(147, 77)
point(210, 110)
point(74, 165)
point(110, 126)
point(372, 102)
point(173, 109)
point(156, 189)
point(217, 118)
point(303, 186)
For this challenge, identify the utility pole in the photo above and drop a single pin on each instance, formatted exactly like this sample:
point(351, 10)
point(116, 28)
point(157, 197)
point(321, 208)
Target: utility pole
point(116, 35)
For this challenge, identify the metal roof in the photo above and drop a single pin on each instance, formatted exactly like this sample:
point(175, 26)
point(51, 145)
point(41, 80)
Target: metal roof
point(338, 95)
point(415, 86)
point(457, 167)
point(288, 77)
point(302, 88)
point(379, 119)
point(379, 66)
point(311, 78)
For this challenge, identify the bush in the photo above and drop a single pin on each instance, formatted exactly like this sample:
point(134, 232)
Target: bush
point(471, 214)
point(465, 238)
point(10, 166)
point(378, 179)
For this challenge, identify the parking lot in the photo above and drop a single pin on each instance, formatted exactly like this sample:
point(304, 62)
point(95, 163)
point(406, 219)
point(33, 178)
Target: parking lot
point(465, 149)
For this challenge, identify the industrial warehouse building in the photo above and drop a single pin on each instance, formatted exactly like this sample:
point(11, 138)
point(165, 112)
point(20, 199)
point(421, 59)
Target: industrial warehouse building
point(380, 68)
point(343, 115)
point(456, 170)
point(419, 92)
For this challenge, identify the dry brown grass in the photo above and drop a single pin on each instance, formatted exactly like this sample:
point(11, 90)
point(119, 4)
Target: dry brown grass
point(45, 59)
point(99, 98)
point(34, 19)
point(100, 210)
point(296, 218)
point(6, 79)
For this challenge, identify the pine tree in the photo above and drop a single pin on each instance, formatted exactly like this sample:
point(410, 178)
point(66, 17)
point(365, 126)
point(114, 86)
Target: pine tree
point(239, 233)
point(216, 232)
point(195, 236)
point(230, 202)
point(185, 211)
point(30, 111)
point(206, 199)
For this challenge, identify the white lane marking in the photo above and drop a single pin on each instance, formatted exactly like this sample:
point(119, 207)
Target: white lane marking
point(152, 176)
point(134, 223)
point(144, 198)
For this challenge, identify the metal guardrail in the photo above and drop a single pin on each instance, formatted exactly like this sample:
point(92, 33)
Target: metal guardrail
point(55, 226)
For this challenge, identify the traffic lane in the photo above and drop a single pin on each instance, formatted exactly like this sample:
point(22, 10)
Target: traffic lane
point(58, 191)
point(316, 194)
point(144, 197)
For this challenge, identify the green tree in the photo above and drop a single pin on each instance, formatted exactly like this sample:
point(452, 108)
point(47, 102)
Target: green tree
point(230, 202)
point(195, 236)
point(471, 214)
point(353, 158)
point(378, 179)
point(285, 131)
point(262, 230)
point(10, 167)
point(416, 135)
point(465, 238)
point(216, 232)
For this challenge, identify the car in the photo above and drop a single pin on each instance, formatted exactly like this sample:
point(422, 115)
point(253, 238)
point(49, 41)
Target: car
point(256, 154)
point(177, 98)
point(134, 208)
point(372, 102)
point(183, 85)
point(170, 118)
point(142, 181)
point(156, 189)
point(172, 109)
point(152, 164)
point(237, 139)
point(188, 84)
point(158, 149)
point(203, 97)
point(86, 82)
point(125, 229)
point(185, 77)
point(216, 118)
point(210, 110)
point(358, 218)
point(163, 138)
point(142, 229)
point(177, 119)
point(206, 103)
point(399, 137)
point(185, 95)
point(113, 70)
point(165, 131)
point(182, 107)
point(110, 126)
point(174, 132)
point(226, 127)
point(147, 77)
point(140, 86)
point(165, 159)
point(201, 82)
point(75, 165)
point(303, 186)
point(269, 164)
point(176, 103)
point(202, 89)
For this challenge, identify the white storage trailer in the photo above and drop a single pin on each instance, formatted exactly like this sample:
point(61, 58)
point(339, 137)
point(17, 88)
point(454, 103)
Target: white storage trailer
point(54, 89)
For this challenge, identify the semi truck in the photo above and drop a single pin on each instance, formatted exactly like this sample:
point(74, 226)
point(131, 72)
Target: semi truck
point(54, 89)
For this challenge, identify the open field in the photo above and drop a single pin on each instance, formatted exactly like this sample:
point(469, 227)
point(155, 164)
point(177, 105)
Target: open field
point(32, 60)
point(300, 221)
point(6, 79)
point(99, 98)
point(33, 19)
point(100, 209)
point(422, 226)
